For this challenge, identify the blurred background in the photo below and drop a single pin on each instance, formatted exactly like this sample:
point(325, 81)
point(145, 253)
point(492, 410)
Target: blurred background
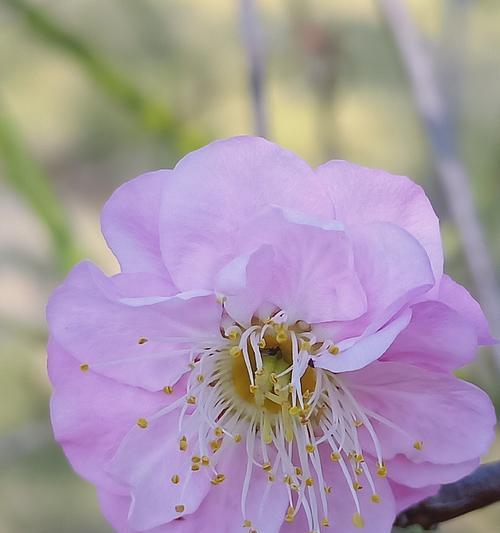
point(93, 93)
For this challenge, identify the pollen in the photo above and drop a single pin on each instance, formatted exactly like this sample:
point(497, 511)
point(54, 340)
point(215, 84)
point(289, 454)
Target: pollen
point(218, 432)
point(357, 520)
point(290, 514)
point(168, 389)
point(200, 378)
point(175, 479)
point(247, 523)
point(295, 410)
point(309, 481)
point(195, 467)
point(335, 457)
point(418, 445)
point(334, 350)
point(205, 461)
point(196, 459)
point(84, 367)
point(381, 470)
point(357, 485)
point(183, 444)
point(262, 344)
point(142, 423)
point(237, 438)
point(233, 335)
point(235, 351)
point(310, 448)
point(142, 340)
point(191, 400)
point(328, 490)
point(376, 498)
point(179, 508)
point(267, 467)
point(325, 522)
point(217, 480)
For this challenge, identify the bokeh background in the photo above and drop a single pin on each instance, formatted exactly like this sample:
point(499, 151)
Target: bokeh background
point(94, 92)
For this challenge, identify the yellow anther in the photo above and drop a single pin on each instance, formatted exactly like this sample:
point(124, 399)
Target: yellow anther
point(267, 467)
point(142, 340)
point(287, 479)
point(328, 490)
point(218, 431)
point(376, 498)
point(215, 445)
point(142, 423)
point(218, 479)
point(357, 485)
point(281, 336)
point(358, 470)
point(357, 520)
point(335, 457)
point(168, 389)
point(381, 470)
point(233, 335)
point(237, 438)
point(310, 448)
point(290, 514)
point(271, 479)
point(418, 445)
point(205, 461)
point(200, 378)
point(84, 367)
point(235, 351)
point(175, 479)
point(325, 522)
point(295, 410)
point(334, 350)
point(247, 523)
point(358, 423)
point(253, 389)
point(183, 444)
point(195, 467)
point(196, 459)
point(273, 379)
point(191, 400)
point(179, 508)
point(309, 481)
point(262, 344)
point(298, 470)
point(359, 458)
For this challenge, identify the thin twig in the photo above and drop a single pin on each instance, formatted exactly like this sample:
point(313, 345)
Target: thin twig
point(255, 55)
point(475, 491)
point(449, 167)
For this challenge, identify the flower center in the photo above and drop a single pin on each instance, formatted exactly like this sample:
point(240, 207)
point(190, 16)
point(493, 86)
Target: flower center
point(260, 386)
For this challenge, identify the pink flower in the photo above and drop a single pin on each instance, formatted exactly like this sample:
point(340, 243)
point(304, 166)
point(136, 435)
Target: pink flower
point(276, 353)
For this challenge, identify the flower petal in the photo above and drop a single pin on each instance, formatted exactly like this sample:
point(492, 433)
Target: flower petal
point(425, 406)
point(147, 461)
point(90, 414)
point(364, 195)
point(129, 223)
point(437, 338)
point(313, 274)
point(135, 341)
point(406, 472)
point(458, 298)
point(213, 192)
point(357, 353)
point(407, 496)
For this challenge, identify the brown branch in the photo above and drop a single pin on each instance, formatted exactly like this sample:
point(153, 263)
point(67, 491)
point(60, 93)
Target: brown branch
point(475, 491)
point(256, 61)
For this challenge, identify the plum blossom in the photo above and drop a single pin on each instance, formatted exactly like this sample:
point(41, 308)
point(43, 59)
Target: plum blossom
point(276, 354)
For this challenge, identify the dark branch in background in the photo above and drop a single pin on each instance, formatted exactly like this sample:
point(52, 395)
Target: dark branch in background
point(475, 491)
point(152, 114)
point(449, 167)
point(255, 55)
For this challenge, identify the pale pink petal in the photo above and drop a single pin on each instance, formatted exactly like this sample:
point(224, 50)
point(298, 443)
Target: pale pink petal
point(214, 191)
point(245, 283)
point(91, 414)
point(359, 352)
point(88, 316)
point(437, 338)
point(459, 299)
point(130, 225)
point(364, 195)
point(404, 471)
point(406, 496)
point(425, 406)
